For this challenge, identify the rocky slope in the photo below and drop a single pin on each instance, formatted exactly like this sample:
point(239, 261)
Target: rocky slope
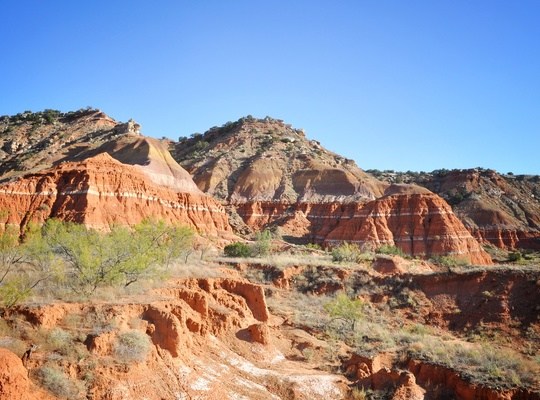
point(500, 209)
point(30, 142)
point(207, 338)
point(272, 176)
point(269, 161)
point(86, 167)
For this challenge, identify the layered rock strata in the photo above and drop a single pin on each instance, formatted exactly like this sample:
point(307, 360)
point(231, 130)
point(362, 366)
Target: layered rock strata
point(272, 176)
point(101, 191)
point(418, 222)
point(501, 209)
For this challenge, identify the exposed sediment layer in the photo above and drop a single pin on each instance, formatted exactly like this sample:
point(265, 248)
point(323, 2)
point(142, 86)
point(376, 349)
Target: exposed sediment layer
point(101, 191)
point(421, 224)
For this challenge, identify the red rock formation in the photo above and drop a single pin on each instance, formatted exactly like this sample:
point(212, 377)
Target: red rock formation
point(195, 347)
point(387, 265)
point(411, 218)
point(500, 209)
point(253, 294)
point(420, 224)
point(101, 191)
point(464, 300)
point(14, 381)
point(439, 375)
point(259, 333)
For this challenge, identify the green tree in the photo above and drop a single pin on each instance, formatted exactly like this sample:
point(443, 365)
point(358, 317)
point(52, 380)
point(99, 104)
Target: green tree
point(237, 249)
point(121, 256)
point(345, 309)
point(23, 265)
point(346, 252)
point(10, 251)
point(263, 244)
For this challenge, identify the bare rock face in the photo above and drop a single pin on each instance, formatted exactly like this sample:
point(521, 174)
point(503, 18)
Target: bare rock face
point(101, 191)
point(421, 224)
point(195, 348)
point(446, 377)
point(407, 389)
point(14, 382)
point(387, 265)
point(500, 209)
point(417, 221)
point(259, 333)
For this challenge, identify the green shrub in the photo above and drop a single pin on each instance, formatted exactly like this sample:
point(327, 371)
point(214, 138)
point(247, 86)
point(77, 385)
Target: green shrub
point(237, 249)
point(59, 383)
point(346, 309)
point(390, 250)
point(14, 291)
point(132, 346)
point(346, 252)
point(515, 256)
point(60, 340)
point(121, 257)
point(449, 261)
point(263, 244)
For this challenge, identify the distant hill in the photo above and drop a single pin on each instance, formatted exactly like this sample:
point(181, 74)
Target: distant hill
point(272, 176)
point(268, 160)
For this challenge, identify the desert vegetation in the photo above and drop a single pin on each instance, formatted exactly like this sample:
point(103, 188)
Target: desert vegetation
point(63, 258)
point(382, 316)
point(335, 295)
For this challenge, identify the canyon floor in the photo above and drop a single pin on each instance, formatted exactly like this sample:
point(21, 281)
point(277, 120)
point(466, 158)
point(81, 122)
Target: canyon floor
point(280, 327)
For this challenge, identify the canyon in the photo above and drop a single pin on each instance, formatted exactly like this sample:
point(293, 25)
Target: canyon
point(445, 315)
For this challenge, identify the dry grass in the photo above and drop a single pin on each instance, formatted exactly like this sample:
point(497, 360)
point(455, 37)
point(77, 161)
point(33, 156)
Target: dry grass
point(491, 361)
point(284, 260)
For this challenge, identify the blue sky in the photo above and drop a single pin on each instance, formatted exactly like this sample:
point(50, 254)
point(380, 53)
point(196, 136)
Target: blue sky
point(404, 85)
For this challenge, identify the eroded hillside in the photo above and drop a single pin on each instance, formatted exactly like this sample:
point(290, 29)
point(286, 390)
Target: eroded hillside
point(272, 176)
point(502, 209)
point(268, 160)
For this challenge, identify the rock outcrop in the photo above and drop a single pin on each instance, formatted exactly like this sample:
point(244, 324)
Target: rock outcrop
point(254, 160)
point(195, 347)
point(503, 210)
point(448, 379)
point(420, 224)
point(14, 381)
point(101, 191)
point(30, 142)
point(272, 176)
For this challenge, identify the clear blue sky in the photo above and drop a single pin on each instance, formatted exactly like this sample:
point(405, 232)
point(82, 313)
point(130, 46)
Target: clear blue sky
point(401, 85)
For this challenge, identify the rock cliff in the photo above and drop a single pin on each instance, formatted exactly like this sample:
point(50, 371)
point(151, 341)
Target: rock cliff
point(502, 209)
point(420, 224)
point(101, 191)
